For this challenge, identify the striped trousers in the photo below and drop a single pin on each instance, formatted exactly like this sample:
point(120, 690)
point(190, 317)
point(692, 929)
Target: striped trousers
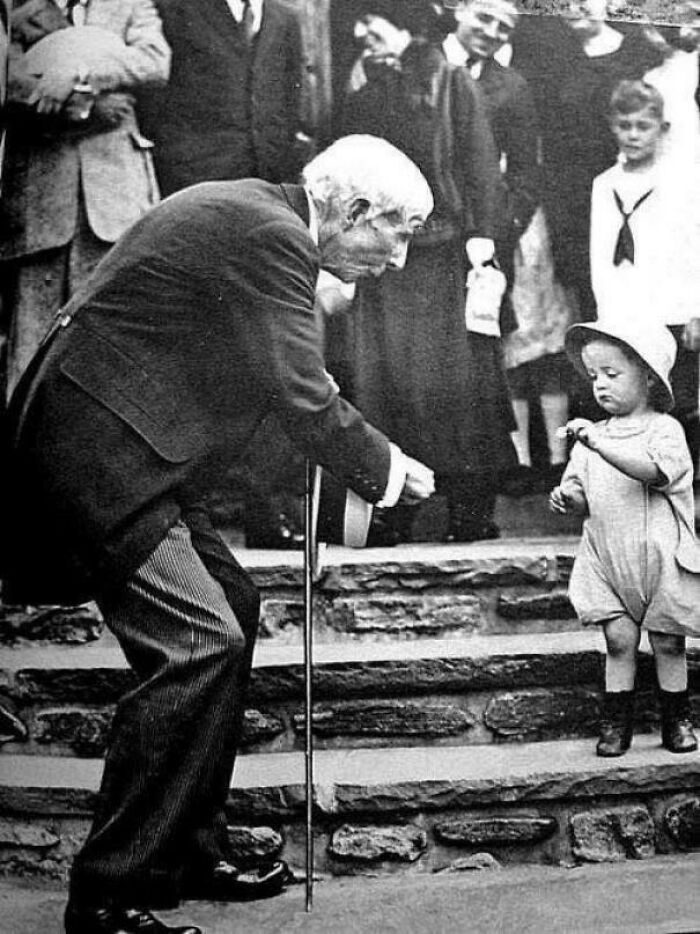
point(187, 622)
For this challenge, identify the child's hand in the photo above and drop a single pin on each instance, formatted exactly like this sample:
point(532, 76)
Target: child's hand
point(583, 430)
point(566, 499)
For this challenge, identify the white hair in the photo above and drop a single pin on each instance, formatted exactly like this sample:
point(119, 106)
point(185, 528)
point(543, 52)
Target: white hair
point(368, 167)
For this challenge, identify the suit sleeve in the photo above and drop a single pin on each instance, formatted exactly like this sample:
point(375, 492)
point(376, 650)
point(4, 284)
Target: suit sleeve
point(523, 175)
point(142, 59)
point(476, 156)
point(282, 339)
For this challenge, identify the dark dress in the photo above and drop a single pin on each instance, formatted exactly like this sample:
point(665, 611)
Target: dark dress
point(573, 92)
point(417, 373)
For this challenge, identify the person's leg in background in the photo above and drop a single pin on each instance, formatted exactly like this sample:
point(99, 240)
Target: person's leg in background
point(685, 382)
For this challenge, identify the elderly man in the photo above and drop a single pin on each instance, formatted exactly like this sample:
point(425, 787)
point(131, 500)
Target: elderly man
point(198, 324)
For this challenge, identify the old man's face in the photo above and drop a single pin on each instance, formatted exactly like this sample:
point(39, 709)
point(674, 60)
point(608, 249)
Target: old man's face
point(366, 245)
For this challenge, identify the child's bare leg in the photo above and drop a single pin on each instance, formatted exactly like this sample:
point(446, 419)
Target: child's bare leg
point(521, 436)
point(555, 413)
point(622, 636)
point(670, 660)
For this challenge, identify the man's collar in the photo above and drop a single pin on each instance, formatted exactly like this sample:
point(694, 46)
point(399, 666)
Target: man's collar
point(236, 7)
point(313, 217)
point(455, 53)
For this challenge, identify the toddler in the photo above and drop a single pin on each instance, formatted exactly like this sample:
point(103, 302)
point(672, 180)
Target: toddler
point(638, 565)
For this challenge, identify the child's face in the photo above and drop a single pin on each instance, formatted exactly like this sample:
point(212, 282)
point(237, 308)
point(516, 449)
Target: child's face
point(620, 385)
point(638, 135)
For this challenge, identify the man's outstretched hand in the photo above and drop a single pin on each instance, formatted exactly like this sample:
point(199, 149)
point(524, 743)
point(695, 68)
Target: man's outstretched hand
point(419, 483)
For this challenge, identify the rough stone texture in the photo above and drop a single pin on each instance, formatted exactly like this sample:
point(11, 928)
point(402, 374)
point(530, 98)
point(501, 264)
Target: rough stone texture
point(13, 728)
point(282, 619)
point(254, 803)
point(388, 718)
point(85, 732)
point(477, 861)
point(655, 10)
point(551, 605)
point(460, 574)
point(682, 820)
point(26, 834)
point(466, 794)
point(425, 615)
point(46, 801)
point(397, 843)
point(251, 845)
point(41, 848)
point(612, 835)
point(475, 831)
point(550, 712)
point(398, 677)
point(259, 726)
point(72, 685)
point(636, 830)
point(63, 625)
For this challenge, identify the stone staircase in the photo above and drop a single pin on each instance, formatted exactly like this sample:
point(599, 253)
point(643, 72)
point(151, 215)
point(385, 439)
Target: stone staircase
point(456, 699)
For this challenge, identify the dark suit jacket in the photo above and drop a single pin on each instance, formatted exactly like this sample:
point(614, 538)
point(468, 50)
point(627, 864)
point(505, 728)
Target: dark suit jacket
point(513, 118)
point(221, 115)
point(198, 324)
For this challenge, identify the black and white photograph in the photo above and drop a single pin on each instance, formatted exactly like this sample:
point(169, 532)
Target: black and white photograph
point(349, 466)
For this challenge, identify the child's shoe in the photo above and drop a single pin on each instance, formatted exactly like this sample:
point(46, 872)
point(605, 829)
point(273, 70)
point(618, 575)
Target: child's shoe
point(616, 724)
point(676, 726)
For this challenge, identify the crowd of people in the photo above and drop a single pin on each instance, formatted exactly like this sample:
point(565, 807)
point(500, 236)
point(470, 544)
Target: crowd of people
point(508, 116)
point(509, 217)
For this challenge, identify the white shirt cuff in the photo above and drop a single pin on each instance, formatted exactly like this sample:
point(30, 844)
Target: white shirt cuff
point(397, 477)
point(480, 250)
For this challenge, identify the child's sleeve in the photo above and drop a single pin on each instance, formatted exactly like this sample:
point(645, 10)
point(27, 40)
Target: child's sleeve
point(668, 449)
point(575, 472)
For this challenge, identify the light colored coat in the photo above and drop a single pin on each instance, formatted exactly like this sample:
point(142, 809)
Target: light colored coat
point(112, 169)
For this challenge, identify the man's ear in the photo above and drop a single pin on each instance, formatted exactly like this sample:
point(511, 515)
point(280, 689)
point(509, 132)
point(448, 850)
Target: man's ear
point(357, 210)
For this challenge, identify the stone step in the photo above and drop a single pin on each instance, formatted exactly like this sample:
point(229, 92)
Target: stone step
point(480, 689)
point(383, 809)
point(408, 592)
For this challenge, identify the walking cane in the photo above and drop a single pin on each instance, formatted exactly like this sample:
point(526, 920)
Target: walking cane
point(309, 568)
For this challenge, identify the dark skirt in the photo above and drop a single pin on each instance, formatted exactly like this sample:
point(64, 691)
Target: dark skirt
point(436, 390)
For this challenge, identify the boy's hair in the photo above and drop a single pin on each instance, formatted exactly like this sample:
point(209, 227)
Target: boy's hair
point(631, 96)
point(657, 393)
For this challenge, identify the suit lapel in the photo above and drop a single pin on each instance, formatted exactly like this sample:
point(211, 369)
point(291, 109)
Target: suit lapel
point(219, 17)
point(297, 200)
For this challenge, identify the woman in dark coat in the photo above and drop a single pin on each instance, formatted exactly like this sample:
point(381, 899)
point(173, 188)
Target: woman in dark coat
point(572, 63)
point(417, 372)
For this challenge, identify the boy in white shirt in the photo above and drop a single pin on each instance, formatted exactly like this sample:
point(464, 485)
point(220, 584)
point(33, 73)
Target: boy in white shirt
point(645, 238)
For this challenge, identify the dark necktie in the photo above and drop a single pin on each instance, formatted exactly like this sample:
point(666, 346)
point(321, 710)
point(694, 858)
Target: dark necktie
point(624, 248)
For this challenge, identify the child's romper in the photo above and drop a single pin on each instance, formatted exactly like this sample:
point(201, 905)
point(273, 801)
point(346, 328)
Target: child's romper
point(638, 554)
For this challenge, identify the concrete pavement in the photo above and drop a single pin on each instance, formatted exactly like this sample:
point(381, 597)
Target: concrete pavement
point(657, 896)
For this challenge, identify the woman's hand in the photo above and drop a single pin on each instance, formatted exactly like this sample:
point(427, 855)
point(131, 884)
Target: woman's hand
point(53, 88)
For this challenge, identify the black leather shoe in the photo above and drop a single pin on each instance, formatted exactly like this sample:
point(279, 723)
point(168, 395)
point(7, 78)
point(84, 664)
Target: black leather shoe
point(84, 920)
point(676, 726)
point(616, 724)
point(227, 883)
